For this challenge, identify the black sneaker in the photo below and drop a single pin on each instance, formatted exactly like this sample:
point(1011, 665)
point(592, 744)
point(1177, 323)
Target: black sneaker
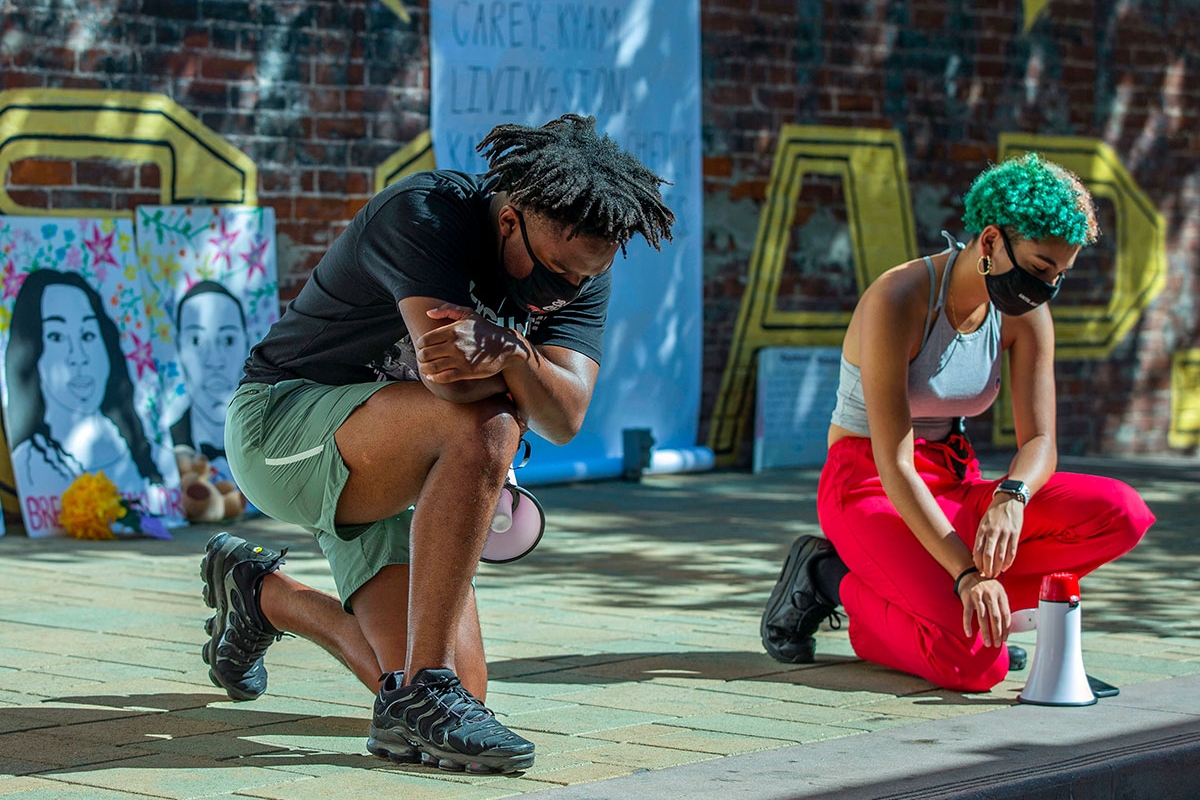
point(232, 570)
point(438, 721)
point(1017, 658)
point(796, 608)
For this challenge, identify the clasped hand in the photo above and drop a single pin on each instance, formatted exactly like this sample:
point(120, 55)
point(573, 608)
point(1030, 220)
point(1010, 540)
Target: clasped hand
point(468, 347)
point(983, 597)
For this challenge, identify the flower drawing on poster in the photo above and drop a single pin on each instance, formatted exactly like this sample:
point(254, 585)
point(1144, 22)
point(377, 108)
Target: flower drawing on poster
point(214, 269)
point(80, 382)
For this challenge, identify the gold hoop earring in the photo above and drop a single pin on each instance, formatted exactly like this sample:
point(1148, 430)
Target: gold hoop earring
point(984, 265)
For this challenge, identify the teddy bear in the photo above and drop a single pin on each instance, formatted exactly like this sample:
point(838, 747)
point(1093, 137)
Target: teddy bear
point(206, 500)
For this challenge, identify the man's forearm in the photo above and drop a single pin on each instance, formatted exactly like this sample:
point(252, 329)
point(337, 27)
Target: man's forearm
point(468, 391)
point(552, 397)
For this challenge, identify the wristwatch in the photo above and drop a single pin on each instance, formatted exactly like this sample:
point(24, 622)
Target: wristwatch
point(1017, 489)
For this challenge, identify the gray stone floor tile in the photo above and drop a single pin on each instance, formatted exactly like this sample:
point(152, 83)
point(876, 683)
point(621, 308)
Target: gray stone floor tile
point(627, 641)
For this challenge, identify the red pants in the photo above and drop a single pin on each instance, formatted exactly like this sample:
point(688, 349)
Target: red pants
point(901, 604)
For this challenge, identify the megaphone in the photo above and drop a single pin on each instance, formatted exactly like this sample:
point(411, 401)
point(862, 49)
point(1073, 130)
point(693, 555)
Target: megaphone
point(1057, 677)
point(517, 525)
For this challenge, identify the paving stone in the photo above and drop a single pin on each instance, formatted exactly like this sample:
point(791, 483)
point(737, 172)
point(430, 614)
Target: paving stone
point(640, 756)
point(58, 747)
point(628, 641)
point(579, 719)
point(374, 784)
point(808, 713)
point(760, 727)
point(15, 766)
point(700, 741)
point(32, 788)
point(583, 773)
point(655, 698)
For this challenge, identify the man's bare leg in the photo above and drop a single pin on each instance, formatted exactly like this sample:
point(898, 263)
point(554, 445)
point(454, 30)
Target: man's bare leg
point(380, 607)
point(405, 445)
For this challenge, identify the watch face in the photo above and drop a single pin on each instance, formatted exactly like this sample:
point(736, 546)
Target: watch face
point(1017, 488)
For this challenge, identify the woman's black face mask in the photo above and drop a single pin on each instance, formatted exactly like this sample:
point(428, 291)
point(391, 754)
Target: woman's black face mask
point(1018, 291)
point(542, 290)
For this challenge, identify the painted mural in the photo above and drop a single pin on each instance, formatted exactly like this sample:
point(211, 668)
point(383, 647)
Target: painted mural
point(80, 386)
point(213, 268)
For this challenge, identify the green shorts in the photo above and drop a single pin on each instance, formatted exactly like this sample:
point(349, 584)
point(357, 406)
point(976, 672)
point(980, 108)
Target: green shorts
point(279, 442)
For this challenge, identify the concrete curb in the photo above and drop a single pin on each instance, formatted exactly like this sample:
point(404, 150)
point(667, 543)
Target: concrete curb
point(1144, 743)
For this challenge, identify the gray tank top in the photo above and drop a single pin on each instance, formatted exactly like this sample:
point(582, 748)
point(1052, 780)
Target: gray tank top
point(953, 375)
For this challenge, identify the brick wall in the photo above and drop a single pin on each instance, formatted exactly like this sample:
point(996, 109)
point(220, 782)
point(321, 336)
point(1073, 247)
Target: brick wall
point(950, 77)
point(316, 93)
point(319, 93)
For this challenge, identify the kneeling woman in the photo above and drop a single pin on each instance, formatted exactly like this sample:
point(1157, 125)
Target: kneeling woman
point(929, 558)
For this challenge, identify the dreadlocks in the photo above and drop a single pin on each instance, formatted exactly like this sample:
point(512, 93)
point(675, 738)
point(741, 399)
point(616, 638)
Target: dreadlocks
point(566, 172)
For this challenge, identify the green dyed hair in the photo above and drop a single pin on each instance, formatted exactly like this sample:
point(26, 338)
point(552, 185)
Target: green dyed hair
point(1035, 198)
point(565, 171)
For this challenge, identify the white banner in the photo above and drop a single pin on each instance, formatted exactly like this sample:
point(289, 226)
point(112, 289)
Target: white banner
point(635, 66)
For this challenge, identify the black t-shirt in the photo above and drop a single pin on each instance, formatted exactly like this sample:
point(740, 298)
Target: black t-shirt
point(427, 235)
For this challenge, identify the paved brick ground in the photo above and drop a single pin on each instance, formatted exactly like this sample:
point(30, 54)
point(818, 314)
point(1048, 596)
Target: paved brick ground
point(627, 642)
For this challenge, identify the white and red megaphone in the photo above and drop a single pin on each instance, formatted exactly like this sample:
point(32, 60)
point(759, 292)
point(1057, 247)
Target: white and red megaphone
point(1057, 677)
point(517, 525)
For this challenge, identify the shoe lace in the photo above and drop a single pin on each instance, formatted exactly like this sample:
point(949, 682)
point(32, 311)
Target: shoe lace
point(247, 642)
point(814, 609)
point(450, 694)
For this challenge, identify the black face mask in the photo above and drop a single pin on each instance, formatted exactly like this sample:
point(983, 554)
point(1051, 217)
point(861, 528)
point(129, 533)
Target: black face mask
point(542, 290)
point(1017, 291)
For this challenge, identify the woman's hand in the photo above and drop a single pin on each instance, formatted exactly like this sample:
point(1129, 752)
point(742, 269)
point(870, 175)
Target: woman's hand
point(985, 600)
point(998, 534)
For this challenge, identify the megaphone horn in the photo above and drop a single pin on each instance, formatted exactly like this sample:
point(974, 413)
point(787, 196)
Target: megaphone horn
point(517, 526)
point(1057, 677)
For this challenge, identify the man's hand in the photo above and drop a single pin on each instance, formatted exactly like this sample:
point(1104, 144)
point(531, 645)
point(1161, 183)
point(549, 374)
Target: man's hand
point(467, 348)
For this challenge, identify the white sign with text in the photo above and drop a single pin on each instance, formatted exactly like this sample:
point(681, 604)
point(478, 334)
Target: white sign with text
point(635, 66)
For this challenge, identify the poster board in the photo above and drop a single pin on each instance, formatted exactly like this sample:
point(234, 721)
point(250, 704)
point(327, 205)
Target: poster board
point(214, 269)
point(794, 399)
point(635, 66)
point(80, 387)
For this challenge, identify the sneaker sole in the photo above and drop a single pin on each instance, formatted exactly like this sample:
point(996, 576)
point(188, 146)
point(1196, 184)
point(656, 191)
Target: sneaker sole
point(387, 744)
point(212, 572)
point(384, 743)
point(796, 556)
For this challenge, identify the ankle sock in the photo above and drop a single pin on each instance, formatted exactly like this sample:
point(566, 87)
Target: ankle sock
point(827, 574)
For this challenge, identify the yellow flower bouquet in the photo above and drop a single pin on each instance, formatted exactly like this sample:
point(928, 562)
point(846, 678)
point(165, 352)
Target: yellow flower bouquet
point(93, 508)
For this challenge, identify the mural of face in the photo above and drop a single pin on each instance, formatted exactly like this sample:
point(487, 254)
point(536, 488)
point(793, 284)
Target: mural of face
point(212, 348)
point(74, 367)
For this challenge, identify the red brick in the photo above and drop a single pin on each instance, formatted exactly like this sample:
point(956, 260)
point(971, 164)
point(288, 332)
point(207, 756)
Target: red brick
point(327, 209)
point(305, 233)
point(149, 176)
point(111, 173)
point(30, 198)
point(41, 172)
point(275, 180)
point(718, 166)
point(856, 102)
point(754, 190)
point(227, 69)
point(344, 183)
point(131, 200)
point(341, 128)
point(81, 199)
